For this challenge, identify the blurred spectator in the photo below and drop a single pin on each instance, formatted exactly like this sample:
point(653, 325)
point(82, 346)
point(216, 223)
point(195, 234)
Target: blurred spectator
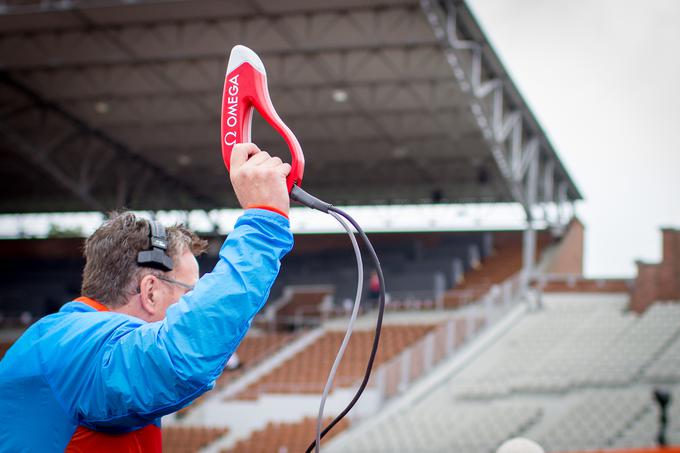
point(26, 317)
point(374, 286)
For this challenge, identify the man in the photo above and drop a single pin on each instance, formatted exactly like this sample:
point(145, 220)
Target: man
point(141, 342)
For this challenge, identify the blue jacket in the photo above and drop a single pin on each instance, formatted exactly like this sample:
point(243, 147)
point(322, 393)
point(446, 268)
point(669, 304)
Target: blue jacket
point(116, 373)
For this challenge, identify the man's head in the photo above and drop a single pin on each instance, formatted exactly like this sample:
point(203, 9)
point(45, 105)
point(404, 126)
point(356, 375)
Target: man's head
point(113, 277)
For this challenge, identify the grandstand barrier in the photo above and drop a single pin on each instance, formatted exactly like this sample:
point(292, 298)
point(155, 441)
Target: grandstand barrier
point(579, 283)
point(410, 300)
point(513, 287)
point(396, 375)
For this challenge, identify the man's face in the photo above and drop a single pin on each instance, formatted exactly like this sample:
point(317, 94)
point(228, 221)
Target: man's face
point(185, 273)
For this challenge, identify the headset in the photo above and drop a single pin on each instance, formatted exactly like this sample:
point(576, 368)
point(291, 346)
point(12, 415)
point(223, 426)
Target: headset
point(156, 255)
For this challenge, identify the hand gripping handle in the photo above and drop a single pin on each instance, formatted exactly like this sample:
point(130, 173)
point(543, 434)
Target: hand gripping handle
point(245, 89)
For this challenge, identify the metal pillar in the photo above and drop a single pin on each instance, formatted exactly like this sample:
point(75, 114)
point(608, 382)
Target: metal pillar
point(529, 238)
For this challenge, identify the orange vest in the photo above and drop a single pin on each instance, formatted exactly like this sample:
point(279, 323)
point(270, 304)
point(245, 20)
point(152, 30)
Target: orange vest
point(145, 440)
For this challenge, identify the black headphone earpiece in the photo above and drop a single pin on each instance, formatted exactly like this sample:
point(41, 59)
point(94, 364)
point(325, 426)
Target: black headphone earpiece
point(156, 256)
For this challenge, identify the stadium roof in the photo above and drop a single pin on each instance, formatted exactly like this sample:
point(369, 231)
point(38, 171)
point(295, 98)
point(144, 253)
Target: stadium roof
point(107, 103)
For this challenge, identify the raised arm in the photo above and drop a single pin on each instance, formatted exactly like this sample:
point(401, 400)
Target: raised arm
point(128, 372)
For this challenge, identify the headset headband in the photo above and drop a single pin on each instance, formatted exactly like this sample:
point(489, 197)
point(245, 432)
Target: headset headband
point(156, 256)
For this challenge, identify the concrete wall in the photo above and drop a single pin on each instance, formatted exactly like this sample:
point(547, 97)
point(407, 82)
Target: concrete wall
point(568, 258)
point(660, 281)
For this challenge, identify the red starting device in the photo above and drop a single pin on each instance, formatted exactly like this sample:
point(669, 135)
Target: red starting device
point(245, 89)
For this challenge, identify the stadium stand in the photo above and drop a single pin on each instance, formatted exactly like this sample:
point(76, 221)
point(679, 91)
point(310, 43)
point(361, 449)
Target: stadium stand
point(189, 439)
point(255, 347)
point(418, 267)
point(666, 367)
point(438, 424)
point(641, 433)
point(570, 345)
point(674, 415)
point(307, 371)
point(283, 437)
point(624, 359)
point(577, 372)
point(4, 346)
point(502, 263)
point(37, 287)
point(597, 420)
point(424, 271)
point(442, 334)
point(298, 306)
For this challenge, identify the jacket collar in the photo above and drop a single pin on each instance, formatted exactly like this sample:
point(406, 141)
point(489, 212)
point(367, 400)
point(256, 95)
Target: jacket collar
point(92, 303)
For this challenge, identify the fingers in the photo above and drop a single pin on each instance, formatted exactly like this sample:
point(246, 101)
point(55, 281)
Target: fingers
point(249, 155)
point(240, 154)
point(284, 169)
point(273, 162)
point(258, 178)
point(259, 159)
point(276, 164)
point(264, 160)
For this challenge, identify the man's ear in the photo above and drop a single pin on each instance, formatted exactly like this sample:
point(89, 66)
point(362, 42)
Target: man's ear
point(149, 294)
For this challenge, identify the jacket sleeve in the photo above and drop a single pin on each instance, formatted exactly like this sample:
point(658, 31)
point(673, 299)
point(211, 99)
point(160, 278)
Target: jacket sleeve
point(148, 370)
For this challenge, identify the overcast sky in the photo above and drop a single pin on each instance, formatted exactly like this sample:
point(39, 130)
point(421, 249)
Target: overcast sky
point(602, 77)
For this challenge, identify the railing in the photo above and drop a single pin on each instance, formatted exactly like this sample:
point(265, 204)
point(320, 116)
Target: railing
point(464, 296)
point(395, 376)
point(410, 300)
point(577, 282)
point(298, 387)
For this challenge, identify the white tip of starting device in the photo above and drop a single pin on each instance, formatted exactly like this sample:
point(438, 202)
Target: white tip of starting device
point(520, 445)
point(241, 54)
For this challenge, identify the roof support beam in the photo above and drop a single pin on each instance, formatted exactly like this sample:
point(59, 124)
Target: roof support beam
point(368, 28)
point(518, 151)
point(311, 116)
point(327, 72)
point(84, 157)
point(45, 6)
point(275, 86)
point(458, 51)
point(40, 158)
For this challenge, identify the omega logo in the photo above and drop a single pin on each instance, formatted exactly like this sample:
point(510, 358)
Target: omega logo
point(232, 110)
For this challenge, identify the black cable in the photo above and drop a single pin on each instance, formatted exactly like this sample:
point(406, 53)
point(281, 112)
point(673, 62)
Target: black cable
point(378, 326)
point(303, 197)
